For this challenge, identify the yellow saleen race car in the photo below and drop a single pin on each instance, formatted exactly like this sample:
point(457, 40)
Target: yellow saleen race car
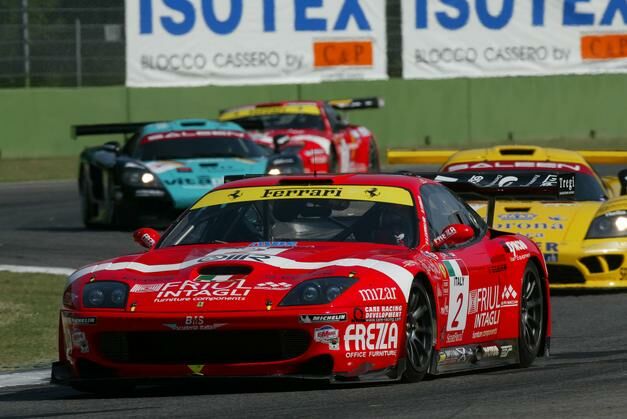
point(584, 239)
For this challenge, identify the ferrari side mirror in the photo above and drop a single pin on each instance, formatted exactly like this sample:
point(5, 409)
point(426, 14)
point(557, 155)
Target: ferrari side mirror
point(146, 237)
point(454, 234)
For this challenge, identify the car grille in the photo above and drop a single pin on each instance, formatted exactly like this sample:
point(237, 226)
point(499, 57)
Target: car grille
point(602, 263)
point(563, 274)
point(203, 347)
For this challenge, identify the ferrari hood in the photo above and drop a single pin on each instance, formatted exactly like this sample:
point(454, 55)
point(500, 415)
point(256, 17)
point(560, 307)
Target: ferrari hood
point(240, 278)
point(188, 180)
point(546, 223)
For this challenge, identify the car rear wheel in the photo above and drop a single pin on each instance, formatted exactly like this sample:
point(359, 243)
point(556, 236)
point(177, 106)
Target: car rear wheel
point(531, 328)
point(419, 333)
point(86, 205)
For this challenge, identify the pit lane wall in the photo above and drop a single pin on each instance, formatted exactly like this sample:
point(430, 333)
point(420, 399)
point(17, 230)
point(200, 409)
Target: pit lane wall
point(576, 110)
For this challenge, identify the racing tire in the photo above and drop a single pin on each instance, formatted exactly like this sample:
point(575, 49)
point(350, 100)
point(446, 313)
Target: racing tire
point(419, 332)
point(531, 329)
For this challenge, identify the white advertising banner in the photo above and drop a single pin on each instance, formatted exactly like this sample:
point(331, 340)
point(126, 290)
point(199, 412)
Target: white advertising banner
point(237, 42)
point(489, 38)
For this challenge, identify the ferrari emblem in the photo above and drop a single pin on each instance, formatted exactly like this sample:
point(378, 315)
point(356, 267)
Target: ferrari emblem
point(268, 305)
point(200, 304)
point(235, 194)
point(373, 192)
point(196, 369)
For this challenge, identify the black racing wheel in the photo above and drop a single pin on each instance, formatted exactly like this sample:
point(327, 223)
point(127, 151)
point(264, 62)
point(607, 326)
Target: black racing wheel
point(419, 333)
point(531, 316)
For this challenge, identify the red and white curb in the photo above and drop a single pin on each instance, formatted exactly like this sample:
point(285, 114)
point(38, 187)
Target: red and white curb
point(40, 376)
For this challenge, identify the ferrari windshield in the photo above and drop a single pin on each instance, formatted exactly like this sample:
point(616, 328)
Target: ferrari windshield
point(298, 218)
point(280, 121)
point(198, 147)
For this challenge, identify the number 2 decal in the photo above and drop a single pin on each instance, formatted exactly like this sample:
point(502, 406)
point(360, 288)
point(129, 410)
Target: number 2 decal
point(458, 297)
point(460, 300)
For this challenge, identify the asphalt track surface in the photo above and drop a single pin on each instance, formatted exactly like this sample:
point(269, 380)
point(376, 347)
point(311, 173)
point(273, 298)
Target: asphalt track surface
point(586, 375)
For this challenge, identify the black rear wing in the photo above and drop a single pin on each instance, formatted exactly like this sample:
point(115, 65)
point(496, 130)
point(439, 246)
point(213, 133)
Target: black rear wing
point(490, 186)
point(107, 129)
point(353, 104)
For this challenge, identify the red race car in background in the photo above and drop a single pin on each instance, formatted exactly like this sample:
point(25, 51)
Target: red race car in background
point(347, 278)
point(315, 130)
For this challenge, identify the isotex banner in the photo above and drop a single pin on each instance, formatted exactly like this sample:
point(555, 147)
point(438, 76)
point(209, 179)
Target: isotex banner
point(235, 42)
point(485, 38)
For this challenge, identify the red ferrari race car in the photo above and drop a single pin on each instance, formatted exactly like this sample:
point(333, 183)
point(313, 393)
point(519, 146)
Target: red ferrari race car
point(315, 130)
point(348, 278)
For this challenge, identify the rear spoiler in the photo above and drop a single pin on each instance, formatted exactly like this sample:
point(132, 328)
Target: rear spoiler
point(107, 129)
point(352, 104)
point(604, 156)
point(490, 185)
point(397, 156)
point(430, 156)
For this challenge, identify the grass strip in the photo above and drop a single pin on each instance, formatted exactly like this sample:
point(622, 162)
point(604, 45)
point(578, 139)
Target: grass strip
point(29, 316)
point(57, 168)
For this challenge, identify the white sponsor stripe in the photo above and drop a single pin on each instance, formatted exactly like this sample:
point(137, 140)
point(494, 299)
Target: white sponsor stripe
point(396, 273)
point(25, 378)
point(37, 269)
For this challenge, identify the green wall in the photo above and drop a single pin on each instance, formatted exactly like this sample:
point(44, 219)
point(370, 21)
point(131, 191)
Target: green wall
point(443, 113)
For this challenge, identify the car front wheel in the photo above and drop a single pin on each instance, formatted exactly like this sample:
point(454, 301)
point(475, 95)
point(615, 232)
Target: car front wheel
point(419, 333)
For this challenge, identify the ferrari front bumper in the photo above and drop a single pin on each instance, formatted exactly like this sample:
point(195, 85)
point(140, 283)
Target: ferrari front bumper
point(147, 346)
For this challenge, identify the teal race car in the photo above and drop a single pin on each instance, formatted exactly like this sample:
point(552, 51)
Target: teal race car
point(164, 167)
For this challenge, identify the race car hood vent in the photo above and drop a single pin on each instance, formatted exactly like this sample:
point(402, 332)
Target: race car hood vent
point(307, 181)
point(517, 209)
point(225, 270)
point(517, 151)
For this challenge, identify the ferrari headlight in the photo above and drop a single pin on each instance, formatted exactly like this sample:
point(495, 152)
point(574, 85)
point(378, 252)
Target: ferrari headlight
point(140, 178)
point(317, 291)
point(105, 294)
point(612, 224)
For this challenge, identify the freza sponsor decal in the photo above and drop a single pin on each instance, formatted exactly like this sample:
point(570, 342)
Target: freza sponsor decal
point(372, 340)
